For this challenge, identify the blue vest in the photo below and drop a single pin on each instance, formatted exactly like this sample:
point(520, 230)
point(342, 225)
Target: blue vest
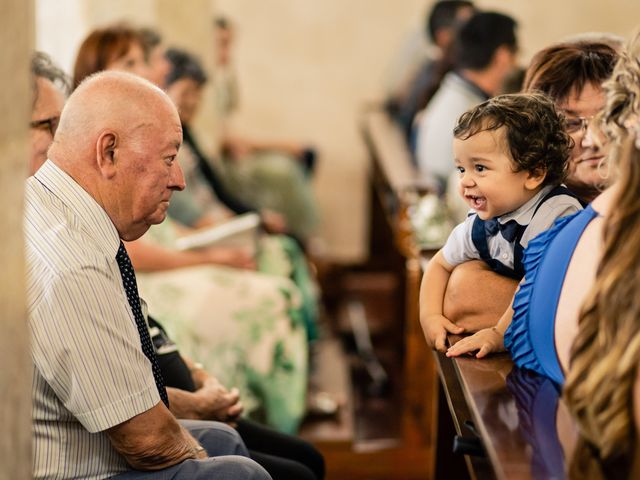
point(480, 233)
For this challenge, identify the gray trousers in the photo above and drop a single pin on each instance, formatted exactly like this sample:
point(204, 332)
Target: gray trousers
point(229, 458)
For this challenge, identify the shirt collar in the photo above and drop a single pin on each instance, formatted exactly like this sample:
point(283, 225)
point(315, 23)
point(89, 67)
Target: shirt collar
point(91, 217)
point(471, 85)
point(524, 214)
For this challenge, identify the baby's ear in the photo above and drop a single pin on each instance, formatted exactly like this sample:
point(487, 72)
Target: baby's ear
point(535, 178)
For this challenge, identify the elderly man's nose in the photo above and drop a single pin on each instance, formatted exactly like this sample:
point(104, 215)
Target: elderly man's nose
point(177, 181)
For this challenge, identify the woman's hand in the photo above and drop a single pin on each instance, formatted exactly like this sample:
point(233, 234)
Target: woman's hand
point(218, 403)
point(238, 257)
point(273, 221)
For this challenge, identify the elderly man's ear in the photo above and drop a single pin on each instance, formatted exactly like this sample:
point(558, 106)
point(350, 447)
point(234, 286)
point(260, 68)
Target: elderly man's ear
point(106, 153)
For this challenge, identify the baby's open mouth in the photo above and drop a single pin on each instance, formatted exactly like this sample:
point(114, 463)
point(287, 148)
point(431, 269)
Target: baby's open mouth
point(477, 203)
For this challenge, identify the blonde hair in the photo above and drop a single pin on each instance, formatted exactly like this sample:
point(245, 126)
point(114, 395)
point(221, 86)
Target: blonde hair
point(606, 352)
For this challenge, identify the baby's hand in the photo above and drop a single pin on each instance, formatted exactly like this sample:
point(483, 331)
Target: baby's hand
point(435, 331)
point(486, 341)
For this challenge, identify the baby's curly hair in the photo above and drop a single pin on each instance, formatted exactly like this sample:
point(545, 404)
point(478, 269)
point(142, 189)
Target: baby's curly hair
point(534, 132)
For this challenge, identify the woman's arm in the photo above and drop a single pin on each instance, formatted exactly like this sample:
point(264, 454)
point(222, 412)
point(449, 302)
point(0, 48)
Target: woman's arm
point(485, 341)
point(476, 296)
point(149, 257)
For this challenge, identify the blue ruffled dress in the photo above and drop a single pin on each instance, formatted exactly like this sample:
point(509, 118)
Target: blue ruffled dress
point(530, 337)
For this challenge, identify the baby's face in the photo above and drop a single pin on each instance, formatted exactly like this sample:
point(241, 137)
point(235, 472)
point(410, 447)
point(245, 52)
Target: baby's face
point(488, 182)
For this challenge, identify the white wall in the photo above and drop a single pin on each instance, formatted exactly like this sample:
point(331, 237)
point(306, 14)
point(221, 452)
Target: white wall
point(307, 68)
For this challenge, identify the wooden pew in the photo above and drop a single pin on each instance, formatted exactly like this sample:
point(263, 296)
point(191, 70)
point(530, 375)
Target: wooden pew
point(394, 185)
point(520, 422)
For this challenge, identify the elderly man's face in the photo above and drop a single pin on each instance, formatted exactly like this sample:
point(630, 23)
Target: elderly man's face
point(44, 119)
point(150, 172)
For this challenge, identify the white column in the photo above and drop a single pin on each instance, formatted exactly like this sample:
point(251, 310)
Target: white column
point(16, 36)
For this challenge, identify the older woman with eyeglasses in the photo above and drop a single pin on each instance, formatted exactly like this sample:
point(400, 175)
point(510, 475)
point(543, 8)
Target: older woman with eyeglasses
point(572, 73)
point(50, 85)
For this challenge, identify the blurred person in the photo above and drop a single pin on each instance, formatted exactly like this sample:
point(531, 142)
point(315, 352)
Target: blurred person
point(50, 85)
point(575, 316)
point(115, 47)
point(443, 18)
point(484, 50)
point(207, 200)
point(155, 56)
point(198, 395)
point(263, 172)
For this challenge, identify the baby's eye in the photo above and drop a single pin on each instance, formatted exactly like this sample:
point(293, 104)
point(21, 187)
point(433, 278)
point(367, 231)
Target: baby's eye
point(480, 168)
point(460, 170)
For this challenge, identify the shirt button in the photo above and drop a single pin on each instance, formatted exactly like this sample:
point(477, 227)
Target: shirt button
point(505, 256)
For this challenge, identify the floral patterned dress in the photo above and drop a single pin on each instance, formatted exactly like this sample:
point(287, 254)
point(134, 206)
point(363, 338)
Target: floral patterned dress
point(246, 327)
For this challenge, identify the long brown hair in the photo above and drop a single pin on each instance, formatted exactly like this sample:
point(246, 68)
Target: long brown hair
point(606, 352)
point(101, 47)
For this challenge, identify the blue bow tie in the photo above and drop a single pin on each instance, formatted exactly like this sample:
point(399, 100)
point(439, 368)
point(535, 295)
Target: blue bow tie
point(509, 229)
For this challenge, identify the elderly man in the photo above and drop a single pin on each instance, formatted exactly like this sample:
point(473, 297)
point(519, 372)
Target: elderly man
point(97, 390)
point(199, 395)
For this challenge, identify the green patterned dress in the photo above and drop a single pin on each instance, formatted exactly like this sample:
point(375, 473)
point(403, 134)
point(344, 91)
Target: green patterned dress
point(246, 327)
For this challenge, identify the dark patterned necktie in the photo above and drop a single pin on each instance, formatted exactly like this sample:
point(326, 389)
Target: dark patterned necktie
point(131, 287)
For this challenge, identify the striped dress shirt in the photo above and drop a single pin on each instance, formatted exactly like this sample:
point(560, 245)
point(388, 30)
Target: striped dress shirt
point(90, 373)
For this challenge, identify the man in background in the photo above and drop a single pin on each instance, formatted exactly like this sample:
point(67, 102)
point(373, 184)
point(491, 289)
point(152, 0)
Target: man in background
point(484, 55)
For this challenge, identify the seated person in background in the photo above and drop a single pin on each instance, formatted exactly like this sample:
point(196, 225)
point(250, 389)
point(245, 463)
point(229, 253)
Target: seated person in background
point(511, 154)
point(203, 203)
point(444, 17)
point(184, 83)
point(97, 390)
point(247, 327)
point(50, 85)
point(485, 51)
point(155, 56)
point(195, 394)
point(114, 47)
point(267, 174)
point(571, 73)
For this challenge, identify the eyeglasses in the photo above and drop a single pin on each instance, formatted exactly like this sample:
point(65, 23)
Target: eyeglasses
point(577, 124)
point(50, 124)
